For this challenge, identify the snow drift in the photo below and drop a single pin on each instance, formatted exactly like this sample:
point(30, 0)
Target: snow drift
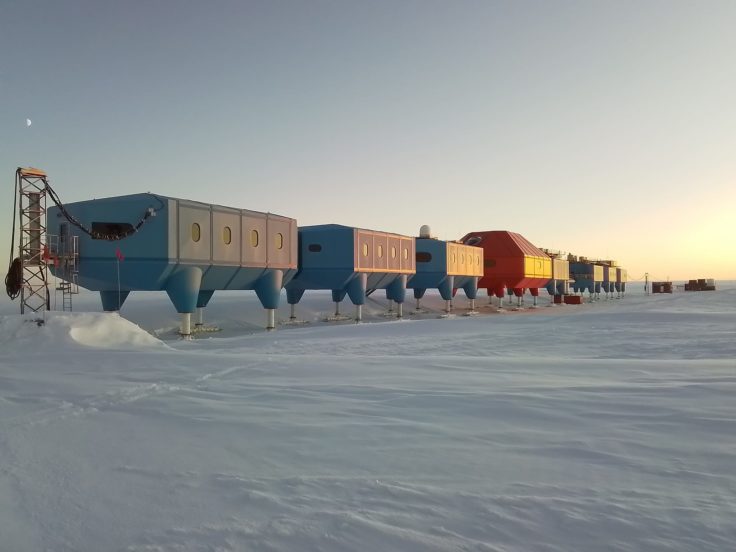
point(49, 331)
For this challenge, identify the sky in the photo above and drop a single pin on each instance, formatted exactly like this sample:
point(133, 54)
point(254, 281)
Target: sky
point(606, 129)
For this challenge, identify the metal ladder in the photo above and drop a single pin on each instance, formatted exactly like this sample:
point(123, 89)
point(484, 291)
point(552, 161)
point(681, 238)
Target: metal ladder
point(65, 252)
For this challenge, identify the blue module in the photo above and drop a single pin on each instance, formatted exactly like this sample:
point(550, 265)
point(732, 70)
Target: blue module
point(586, 275)
point(352, 261)
point(186, 248)
point(609, 278)
point(621, 279)
point(446, 266)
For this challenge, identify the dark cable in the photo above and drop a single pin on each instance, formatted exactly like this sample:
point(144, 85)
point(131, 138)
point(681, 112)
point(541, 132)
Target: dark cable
point(150, 212)
point(14, 278)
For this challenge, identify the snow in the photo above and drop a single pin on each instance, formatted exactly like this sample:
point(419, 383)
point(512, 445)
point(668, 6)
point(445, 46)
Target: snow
point(99, 330)
point(608, 426)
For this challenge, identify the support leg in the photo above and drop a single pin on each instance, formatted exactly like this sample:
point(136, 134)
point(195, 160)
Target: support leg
point(203, 297)
point(445, 289)
point(183, 289)
point(396, 291)
point(113, 300)
point(185, 328)
point(268, 290)
point(356, 290)
point(293, 295)
point(418, 294)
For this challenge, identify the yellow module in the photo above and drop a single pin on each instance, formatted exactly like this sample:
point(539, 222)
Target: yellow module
point(464, 260)
point(537, 267)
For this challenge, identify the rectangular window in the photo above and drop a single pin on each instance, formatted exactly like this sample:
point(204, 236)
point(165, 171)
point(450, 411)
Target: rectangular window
point(103, 230)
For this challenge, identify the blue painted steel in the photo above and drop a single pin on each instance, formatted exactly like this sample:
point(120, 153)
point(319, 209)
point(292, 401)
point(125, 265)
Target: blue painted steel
point(156, 258)
point(328, 260)
point(621, 278)
point(268, 288)
point(609, 279)
point(432, 272)
point(583, 274)
point(183, 288)
point(556, 287)
point(204, 297)
point(113, 300)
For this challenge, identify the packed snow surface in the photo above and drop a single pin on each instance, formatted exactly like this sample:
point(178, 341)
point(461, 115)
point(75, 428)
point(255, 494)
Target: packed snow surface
point(606, 426)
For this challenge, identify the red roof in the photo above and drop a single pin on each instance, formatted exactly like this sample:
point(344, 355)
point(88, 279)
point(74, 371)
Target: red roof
point(504, 253)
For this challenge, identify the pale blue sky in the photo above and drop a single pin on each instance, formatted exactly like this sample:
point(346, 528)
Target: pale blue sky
point(585, 126)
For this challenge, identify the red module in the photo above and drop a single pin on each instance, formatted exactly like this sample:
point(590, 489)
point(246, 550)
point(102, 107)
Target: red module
point(510, 261)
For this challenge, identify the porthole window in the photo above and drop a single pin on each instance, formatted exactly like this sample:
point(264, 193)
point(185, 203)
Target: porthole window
point(393, 252)
point(314, 247)
point(254, 238)
point(380, 251)
point(227, 235)
point(196, 232)
point(477, 260)
point(365, 249)
point(462, 259)
point(279, 241)
point(406, 253)
point(454, 258)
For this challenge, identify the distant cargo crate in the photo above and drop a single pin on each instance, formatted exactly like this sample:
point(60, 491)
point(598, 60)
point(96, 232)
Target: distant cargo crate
point(662, 287)
point(701, 284)
point(573, 300)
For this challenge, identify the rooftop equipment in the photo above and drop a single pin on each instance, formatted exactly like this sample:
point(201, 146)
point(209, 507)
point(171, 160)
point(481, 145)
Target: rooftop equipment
point(354, 262)
point(446, 266)
point(186, 248)
point(510, 262)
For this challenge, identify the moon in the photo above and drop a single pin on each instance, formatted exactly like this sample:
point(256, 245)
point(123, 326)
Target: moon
point(28, 122)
